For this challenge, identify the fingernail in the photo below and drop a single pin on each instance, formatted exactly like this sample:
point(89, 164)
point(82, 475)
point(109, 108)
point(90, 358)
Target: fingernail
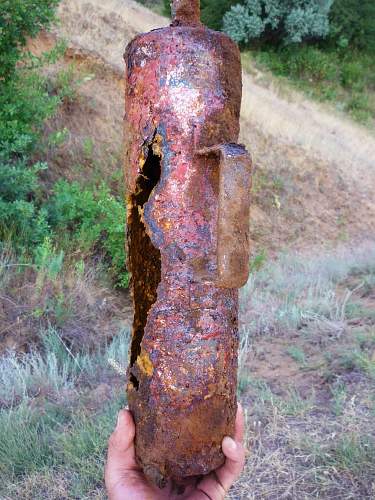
point(120, 418)
point(231, 443)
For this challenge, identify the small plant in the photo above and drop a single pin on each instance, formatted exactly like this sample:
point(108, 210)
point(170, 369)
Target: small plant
point(297, 354)
point(339, 397)
point(258, 261)
point(356, 359)
point(48, 261)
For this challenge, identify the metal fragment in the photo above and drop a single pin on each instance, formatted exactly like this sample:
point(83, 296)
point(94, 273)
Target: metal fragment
point(188, 188)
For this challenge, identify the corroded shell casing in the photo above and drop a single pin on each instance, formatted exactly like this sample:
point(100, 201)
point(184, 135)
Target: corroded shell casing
point(188, 185)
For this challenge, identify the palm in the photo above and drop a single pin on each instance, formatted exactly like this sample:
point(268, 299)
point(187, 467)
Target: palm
point(125, 479)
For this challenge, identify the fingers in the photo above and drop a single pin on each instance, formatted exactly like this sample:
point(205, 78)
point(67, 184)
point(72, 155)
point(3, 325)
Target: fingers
point(217, 484)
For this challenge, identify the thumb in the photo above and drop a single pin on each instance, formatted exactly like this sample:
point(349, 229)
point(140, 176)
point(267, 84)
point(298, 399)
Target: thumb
point(122, 439)
point(121, 452)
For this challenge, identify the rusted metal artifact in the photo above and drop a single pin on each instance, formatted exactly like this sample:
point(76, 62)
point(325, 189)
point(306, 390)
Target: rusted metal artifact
point(188, 185)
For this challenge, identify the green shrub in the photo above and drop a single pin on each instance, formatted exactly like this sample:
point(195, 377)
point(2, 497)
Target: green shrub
point(287, 21)
point(359, 107)
point(306, 62)
point(352, 74)
point(24, 106)
point(20, 19)
point(352, 23)
point(89, 221)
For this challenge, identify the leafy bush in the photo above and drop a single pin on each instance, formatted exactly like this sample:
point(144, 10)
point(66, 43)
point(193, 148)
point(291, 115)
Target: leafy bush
point(24, 106)
point(20, 19)
point(287, 21)
point(88, 220)
point(352, 23)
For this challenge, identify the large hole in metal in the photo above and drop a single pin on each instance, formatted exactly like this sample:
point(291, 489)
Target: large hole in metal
point(144, 258)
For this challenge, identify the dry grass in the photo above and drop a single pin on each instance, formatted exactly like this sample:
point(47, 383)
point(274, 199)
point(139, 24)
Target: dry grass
point(62, 294)
point(306, 382)
point(307, 378)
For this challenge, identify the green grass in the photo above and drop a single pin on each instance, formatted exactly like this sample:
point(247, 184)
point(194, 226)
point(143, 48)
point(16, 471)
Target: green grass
point(46, 428)
point(48, 440)
point(57, 369)
point(300, 290)
point(344, 78)
point(297, 354)
point(339, 397)
point(357, 359)
point(24, 443)
point(82, 447)
point(310, 436)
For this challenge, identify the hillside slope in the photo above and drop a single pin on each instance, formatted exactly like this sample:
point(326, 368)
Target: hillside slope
point(315, 171)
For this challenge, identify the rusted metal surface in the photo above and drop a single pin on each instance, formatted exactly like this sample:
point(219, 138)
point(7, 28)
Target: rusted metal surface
point(188, 185)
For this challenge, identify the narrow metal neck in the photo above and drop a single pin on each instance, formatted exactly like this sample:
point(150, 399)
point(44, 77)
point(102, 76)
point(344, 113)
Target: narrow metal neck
point(185, 12)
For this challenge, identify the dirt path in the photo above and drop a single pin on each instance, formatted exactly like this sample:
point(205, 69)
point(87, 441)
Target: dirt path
point(305, 123)
point(104, 28)
point(314, 171)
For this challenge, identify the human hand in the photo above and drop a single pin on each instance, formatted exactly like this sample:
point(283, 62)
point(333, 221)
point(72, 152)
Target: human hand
point(125, 480)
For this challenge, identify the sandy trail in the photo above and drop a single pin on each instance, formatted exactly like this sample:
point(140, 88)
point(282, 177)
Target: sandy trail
point(315, 170)
point(104, 28)
point(305, 123)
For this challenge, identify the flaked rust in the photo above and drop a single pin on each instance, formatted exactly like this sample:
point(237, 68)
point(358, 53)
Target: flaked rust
point(188, 185)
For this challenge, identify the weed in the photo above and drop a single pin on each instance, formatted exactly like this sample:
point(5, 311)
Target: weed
point(357, 360)
point(297, 354)
point(294, 405)
point(339, 397)
point(258, 261)
point(48, 261)
point(88, 147)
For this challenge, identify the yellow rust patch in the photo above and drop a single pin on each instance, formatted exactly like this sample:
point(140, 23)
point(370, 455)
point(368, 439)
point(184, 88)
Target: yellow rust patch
point(145, 364)
point(142, 161)
point(156, 145)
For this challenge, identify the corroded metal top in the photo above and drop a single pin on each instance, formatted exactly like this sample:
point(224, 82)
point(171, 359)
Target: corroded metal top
point(185, 12)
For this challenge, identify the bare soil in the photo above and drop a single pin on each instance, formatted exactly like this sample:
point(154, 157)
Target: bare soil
point(314, 170)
